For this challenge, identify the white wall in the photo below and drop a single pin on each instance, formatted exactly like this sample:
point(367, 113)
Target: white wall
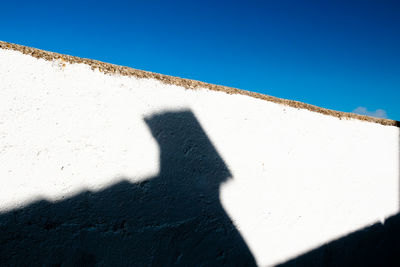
point(299, 178)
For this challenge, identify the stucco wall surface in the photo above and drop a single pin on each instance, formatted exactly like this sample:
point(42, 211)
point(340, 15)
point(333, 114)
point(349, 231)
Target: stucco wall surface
point(107, 169)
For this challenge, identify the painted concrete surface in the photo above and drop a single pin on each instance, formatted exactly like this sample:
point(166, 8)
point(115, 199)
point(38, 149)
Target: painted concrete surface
point(100, 169)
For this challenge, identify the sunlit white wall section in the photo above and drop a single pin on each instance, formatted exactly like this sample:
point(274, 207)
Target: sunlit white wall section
point(300, 179)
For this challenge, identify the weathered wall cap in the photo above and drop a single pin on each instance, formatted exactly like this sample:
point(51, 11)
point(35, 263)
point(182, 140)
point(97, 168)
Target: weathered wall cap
point(108, 68)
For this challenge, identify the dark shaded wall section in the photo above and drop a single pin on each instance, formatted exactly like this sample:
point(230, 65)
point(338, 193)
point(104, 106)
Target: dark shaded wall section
point(175, 218)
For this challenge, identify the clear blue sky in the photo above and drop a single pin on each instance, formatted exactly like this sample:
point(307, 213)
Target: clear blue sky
point(340, 55)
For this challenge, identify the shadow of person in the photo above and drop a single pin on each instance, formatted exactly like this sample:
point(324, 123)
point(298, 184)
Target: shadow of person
point(175, 218)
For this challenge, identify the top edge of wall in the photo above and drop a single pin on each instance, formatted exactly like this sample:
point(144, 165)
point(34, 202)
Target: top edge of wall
point(109, 68)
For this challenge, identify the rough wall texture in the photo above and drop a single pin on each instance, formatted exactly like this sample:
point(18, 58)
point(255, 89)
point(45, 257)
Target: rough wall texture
point(102, 168)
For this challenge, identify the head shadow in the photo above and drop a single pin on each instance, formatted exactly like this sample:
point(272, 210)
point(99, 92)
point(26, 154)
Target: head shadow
point(187, 156)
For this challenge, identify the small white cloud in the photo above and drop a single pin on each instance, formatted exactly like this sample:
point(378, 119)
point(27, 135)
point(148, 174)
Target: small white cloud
point(379, 113)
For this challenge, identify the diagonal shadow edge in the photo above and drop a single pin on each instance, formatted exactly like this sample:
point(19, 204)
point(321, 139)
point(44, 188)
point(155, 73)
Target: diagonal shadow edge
point(374, 245)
